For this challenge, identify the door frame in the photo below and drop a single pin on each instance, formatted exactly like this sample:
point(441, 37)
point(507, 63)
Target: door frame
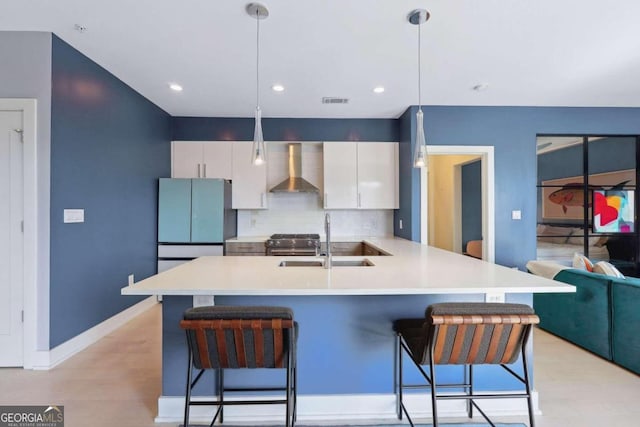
point(30, 265)
point(486, 154)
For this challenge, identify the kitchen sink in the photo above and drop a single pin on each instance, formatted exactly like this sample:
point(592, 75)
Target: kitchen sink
point(301, 263)
point(364, 262)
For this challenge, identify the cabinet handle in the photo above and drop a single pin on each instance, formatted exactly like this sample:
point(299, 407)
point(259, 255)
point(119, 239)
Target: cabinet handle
point(325, 200)
point(199, 171)
point(204, 167)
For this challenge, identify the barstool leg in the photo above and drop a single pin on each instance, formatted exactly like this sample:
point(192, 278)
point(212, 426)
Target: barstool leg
point(221, 391)
point(399, 378)
point(187, 395)
point(432, 374)
point(528, 386)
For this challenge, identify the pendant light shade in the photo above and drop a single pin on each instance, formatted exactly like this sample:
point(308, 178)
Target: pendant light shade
point(419, 17)
point(420, 152)
point(258, 151)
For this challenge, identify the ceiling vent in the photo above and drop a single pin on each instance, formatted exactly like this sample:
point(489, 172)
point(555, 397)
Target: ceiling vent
point(334, 100)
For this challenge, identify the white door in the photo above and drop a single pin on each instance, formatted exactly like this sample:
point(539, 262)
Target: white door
point(11, 239)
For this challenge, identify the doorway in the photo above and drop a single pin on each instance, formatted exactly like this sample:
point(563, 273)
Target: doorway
point(455, 157)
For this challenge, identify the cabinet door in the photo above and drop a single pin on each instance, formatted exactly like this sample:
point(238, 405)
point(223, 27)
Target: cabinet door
point(249, 189)
point(216, 159)
point(174, 210)
point(340, 175)
point(207, 210)
point(186, 159)
point(378, 175)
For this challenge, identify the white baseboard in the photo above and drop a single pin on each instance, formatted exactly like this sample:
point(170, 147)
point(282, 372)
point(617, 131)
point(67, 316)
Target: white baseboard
point(341, 407)
point(44, 360)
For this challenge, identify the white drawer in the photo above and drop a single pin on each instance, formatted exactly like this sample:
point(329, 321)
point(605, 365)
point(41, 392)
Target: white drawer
point(188, 251)
point(164, 265)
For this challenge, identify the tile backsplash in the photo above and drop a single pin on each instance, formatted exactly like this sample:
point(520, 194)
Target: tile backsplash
point(303, 213)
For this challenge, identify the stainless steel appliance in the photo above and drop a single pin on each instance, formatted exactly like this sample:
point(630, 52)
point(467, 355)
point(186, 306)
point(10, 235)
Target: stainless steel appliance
point(293, 244)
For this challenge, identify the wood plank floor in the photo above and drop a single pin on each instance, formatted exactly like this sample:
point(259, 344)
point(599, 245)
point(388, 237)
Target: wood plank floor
point(116, 382)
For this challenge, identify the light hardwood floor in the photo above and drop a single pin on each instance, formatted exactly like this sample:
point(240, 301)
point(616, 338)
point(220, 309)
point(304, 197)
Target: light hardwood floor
point(116, 382)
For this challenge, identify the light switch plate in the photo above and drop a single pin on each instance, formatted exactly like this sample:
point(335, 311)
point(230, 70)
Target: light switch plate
point(73, 215)
point(516, 214)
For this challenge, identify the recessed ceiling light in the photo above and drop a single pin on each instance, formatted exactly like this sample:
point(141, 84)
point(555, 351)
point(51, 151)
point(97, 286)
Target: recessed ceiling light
point(80, 28)
point(277, 88)
point(378, 89)
point(175, 86)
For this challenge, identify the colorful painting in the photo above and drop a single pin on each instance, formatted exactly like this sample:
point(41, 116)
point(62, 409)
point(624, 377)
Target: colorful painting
point(613, 211)
point(563, 199)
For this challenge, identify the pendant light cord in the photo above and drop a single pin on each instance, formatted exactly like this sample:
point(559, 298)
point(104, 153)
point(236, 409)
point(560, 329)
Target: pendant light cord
point(419, 62)
point(257, 58)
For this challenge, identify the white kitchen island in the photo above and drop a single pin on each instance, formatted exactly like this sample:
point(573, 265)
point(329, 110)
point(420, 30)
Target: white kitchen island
point(346, 343)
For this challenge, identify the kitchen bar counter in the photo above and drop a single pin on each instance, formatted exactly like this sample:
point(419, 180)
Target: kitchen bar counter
point(346, 347)
point(412, 269)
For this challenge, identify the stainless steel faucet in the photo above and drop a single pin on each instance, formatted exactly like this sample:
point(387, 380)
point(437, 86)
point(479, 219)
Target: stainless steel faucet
point(327, 231)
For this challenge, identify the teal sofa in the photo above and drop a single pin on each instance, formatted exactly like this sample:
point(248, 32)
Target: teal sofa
point(602, 316)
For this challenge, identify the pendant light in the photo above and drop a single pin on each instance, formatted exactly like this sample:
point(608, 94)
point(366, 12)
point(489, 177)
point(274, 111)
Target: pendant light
point(258, 152)
point(419, 17)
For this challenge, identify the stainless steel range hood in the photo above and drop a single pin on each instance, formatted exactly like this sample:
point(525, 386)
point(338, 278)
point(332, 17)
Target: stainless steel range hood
point(295, 183)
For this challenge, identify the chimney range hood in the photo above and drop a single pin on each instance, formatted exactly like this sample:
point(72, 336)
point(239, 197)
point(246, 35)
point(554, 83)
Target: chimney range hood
point(295, 183)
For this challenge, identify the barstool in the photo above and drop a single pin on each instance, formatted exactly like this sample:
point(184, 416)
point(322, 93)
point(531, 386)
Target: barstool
point(465, 334)
point(240, 337)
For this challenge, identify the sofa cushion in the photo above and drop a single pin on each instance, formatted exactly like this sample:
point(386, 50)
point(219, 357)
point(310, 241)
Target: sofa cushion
point(626, 322)
point(582, 317)
point(603, 267)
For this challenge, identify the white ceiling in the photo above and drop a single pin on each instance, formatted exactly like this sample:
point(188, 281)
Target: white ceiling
point(530, 53)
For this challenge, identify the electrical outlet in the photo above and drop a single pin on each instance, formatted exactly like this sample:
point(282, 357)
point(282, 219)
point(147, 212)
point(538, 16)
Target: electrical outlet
point(517, 215)
point(131, 279)
point(494, 297)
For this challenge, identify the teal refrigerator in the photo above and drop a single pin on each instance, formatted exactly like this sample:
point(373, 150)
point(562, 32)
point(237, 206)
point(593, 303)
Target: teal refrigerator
point(194, 219)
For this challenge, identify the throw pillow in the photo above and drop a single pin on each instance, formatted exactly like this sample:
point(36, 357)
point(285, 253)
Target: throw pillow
point(581, 262)
point(604, 267)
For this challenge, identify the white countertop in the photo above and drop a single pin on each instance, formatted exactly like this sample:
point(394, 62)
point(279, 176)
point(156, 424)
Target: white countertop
point(413, 269)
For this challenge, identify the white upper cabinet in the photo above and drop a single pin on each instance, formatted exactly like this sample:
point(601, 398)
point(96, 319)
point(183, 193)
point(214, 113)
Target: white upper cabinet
point(340, 175)
point(249, 189)
point(378, 175)
point(361, 175)
point(208, 159)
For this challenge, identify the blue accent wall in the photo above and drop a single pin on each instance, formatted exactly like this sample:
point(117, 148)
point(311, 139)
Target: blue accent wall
point(512, 131)
point(241, 129)
point(109, 145)
point(471, 202)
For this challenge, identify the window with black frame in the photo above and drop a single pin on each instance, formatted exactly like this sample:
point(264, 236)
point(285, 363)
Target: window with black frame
point(588, 200)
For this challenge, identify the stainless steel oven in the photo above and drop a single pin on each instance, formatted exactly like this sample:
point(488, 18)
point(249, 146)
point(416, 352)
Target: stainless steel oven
point(293, 245)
